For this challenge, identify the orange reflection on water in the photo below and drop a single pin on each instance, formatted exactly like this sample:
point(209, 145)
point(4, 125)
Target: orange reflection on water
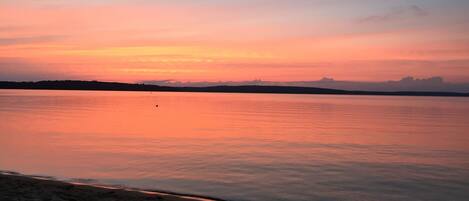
point(196, 137)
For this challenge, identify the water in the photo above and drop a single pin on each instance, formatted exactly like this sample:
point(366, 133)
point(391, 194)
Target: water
point(243, 146)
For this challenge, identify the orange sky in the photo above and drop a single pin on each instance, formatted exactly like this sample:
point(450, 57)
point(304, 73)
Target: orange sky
point(211, 40)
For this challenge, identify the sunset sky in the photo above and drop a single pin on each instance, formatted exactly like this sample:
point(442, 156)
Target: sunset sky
point(212, 40)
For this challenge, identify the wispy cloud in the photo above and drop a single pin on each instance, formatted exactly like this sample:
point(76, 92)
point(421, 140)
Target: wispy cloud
point(14, 69)
point(396, 14)
point(28, 40)
point(9, 28)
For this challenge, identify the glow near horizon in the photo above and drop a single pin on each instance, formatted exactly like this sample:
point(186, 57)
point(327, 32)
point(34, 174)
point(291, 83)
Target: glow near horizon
point(209, 40)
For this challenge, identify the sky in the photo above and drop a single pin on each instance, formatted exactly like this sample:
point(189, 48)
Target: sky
point(235, 40)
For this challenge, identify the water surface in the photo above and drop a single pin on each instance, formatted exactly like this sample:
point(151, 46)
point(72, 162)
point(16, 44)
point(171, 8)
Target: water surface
point(243, 146)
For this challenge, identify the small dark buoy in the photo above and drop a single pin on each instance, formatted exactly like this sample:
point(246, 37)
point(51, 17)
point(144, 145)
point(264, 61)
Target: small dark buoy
point(156, 105)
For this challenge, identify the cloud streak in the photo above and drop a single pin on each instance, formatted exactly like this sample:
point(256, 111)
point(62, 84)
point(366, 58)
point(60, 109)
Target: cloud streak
point(29, 40)
point(412, 11)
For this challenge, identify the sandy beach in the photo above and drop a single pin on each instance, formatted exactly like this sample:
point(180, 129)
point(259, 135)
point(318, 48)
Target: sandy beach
point(17, 187)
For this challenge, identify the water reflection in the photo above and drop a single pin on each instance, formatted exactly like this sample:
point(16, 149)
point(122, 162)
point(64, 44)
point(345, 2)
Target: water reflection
point(243, 146)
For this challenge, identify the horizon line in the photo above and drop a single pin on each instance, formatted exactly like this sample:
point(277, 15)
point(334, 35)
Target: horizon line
point(323, 79)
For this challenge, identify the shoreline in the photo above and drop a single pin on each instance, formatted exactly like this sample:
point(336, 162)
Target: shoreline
point(18, 187)
point(390, 94)
point(259, 89)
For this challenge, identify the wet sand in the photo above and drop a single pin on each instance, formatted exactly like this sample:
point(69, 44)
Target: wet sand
point(16, 187)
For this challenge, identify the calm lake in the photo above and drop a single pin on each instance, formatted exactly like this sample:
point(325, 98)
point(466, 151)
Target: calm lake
point(240, 147)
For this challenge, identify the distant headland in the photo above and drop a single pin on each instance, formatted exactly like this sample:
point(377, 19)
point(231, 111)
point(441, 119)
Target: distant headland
point(117, 86)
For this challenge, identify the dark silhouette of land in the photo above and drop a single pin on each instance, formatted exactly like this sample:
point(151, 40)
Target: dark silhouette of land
point(408, 83)
point(116, 86)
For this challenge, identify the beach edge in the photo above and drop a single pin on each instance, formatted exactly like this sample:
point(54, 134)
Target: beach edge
point(17, 186)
